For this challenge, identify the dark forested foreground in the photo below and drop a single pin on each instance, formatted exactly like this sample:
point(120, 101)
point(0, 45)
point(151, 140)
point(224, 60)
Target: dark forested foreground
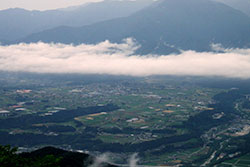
point(47, 157)
point(166, 120)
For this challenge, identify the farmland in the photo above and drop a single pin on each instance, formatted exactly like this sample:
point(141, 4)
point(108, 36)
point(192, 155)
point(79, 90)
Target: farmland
point(167, 120)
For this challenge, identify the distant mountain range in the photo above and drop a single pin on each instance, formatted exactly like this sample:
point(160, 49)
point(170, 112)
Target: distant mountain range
point(161, 27)
point(166, 26)
point(18, 23)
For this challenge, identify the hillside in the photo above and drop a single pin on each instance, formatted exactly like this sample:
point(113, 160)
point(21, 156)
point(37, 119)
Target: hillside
point(242, 5)
point(165, 27)
point(47, 157)
point(17, 23)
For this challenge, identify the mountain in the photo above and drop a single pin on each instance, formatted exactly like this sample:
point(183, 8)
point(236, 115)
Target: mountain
point(4, 42)
point(17, 23)
point(164, 27)
point(67, 158)
point(48, 157)
point(242, 5)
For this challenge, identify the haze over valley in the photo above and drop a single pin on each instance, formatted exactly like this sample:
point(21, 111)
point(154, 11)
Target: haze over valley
point(125, 83)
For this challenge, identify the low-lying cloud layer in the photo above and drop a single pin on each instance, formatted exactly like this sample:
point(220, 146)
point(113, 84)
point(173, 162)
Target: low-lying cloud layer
point(119, 59)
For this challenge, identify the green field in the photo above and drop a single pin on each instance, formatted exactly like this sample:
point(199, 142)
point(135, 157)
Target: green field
point(242, 161)
point(168, 121)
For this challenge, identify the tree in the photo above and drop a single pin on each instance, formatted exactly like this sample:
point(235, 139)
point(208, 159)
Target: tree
point(10, 158)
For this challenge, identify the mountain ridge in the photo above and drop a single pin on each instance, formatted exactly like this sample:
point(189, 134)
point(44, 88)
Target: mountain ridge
point(242, 5)
point(162, 28)
point(17, 23)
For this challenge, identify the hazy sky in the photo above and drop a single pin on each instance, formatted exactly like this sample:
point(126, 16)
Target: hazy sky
point(41, 4)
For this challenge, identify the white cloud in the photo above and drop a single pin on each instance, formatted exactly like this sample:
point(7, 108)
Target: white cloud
point(119, 59)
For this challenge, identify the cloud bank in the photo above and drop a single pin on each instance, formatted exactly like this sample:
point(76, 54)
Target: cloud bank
point(120, 59)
